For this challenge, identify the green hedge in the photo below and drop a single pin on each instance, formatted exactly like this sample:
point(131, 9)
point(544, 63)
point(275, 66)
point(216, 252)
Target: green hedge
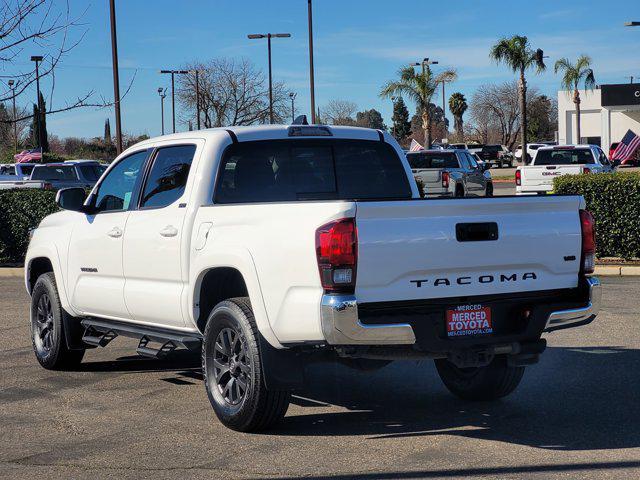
point(614, 201)
point(20, 211)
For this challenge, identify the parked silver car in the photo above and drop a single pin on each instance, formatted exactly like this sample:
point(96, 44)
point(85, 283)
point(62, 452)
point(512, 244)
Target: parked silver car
point(450, 173)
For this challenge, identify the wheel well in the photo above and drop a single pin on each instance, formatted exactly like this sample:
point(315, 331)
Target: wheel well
point(37, 267)
point(217, 285)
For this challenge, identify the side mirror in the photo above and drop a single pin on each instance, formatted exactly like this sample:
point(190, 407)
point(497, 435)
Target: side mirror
point(71, 199)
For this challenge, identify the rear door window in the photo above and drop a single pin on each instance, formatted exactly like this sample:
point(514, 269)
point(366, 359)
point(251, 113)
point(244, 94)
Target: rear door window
point(297, 170)
point(168, 176)
point(91, 172)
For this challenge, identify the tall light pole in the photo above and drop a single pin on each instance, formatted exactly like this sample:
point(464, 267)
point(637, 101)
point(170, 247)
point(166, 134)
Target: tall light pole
point(116, 76)
point(293, 96)
point(269, 36)
point(173, 94)
point(197, 73)
point(12, 86)
point(311, 76)
point(163, 93)
point(38, 59)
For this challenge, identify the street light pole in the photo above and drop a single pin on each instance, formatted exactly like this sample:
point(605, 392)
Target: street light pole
point(311, 76)
point(116, 76)
point(197, 72)
point(425, 63)
point(293, 96)
point(38, 59)
point(163, 93)
point(12, 86)
point(173, 93)
point(269, 36)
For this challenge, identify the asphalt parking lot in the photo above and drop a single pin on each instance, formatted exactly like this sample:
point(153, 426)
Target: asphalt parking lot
point(121, 416)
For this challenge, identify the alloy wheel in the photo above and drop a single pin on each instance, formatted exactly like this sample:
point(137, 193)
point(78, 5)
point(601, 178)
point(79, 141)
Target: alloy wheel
point(231, 366)
point(43, 332)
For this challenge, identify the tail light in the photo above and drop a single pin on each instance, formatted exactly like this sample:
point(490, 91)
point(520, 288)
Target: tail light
point(445, 179)
point(586, 170)
point(518, 177)
point(337, 254)
point(588, 228)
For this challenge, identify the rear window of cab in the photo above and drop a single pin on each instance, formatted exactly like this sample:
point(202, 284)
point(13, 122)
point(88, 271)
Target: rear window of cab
point(301, 169)
point(442, 159)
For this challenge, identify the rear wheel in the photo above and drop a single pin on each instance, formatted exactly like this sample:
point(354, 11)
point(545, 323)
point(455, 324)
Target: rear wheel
point(459, 191)
point(47, 327)
point(489, 190)
point(491, 382)
point(233, 371)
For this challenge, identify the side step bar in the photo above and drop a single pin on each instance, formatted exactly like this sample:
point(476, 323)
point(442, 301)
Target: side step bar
point(100, 332)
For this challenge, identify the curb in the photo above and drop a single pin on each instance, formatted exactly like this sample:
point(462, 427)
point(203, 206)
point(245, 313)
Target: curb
point(604, 270)
point(11, 272)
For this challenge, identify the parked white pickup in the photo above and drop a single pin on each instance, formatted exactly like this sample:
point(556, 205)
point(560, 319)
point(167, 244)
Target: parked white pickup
point(551, 162)
point(270, 247)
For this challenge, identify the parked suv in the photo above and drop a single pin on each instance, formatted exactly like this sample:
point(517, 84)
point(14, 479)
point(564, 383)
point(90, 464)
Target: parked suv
point(73, 173)
point(450, 173)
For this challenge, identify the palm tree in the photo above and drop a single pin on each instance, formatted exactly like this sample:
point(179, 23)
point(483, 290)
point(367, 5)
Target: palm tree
point(519, 56)
point(420, 88)
point(457, 107)
point(573, 74)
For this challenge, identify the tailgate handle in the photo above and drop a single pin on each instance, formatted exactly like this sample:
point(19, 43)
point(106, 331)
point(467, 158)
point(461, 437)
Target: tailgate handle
point(477, 232)
point(551, 167)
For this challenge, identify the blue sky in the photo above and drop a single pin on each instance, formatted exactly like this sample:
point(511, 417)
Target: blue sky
point(359, 45)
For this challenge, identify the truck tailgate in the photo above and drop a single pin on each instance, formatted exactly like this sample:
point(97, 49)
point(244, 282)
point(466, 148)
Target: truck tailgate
point(421, 249)
point(538, 175)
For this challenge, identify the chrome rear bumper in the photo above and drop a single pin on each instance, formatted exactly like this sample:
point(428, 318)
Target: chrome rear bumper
point(341, 324)
point(567, 318)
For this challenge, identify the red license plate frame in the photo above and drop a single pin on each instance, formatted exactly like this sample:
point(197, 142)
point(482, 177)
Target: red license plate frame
point(468, 320)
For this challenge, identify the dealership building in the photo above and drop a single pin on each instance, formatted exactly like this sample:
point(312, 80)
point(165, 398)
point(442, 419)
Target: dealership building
point(606, 113)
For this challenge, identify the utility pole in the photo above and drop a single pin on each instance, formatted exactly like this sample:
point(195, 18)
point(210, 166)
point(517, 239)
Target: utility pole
point(116, 76)
point(311, 77)
point(38, 59)
point(162, 92)
point(269, 36)
point(293, 96)
point(12, 86)
point(173, 93)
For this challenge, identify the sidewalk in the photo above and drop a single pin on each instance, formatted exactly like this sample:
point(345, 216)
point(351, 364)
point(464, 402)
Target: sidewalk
point(602, 270)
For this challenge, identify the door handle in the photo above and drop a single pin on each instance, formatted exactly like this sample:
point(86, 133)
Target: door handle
point(115, 232)
point(169, 231)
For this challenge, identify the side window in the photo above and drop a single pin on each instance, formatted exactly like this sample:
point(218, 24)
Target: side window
point(168, 176)
point(464, 161)
point(602, 157)
point(472, 161)
point(115, 190)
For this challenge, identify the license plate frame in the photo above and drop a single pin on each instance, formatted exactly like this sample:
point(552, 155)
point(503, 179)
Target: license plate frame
point(468, 320)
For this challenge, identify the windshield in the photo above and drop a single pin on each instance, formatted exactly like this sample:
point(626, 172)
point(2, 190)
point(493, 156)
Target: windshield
point(64, 173)
point(576, 156)
point(297, 170)
point(433, 160)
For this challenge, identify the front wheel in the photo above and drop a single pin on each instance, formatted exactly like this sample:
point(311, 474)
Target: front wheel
point(47, 327)
point(234, 373)
point(491, 382)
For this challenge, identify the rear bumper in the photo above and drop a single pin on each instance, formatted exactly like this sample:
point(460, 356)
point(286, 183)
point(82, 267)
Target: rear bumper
point(578, 316)
point(342, 324)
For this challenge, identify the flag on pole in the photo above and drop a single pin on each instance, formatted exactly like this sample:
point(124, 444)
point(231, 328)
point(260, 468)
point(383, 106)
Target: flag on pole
point(415, 146)
point(627, 148)
point(28, 156)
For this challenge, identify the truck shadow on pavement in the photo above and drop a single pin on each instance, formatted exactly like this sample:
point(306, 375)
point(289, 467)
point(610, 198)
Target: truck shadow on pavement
point(574, 399)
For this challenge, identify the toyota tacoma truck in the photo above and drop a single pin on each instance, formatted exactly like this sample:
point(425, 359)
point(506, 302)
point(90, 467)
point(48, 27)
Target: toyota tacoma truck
point(266, 248)
point(552, 161)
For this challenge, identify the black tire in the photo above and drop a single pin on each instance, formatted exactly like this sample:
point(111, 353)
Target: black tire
point(231, 359)
point(459, 191)
point(494, 381)
point(47, 327)
point(489, 190)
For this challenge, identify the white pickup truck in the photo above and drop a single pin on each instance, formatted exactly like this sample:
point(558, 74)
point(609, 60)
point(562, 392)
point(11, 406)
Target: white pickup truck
point(270, 247)
point(553, 161)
